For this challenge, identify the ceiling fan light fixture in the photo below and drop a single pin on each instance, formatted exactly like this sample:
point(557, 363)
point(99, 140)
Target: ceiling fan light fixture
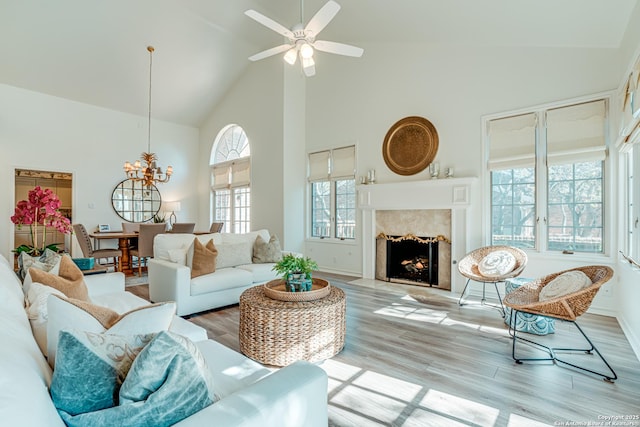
point(291, 56)
point(308, 67)
point(306, 51)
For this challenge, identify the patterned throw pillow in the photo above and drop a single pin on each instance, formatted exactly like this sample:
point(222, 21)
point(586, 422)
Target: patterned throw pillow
point(264, 252)
point(204, 258)
point(167, 382)
point(69, 281)
point(496, 264)
point(91, 367)
point(65, 314)
point(49, 261)
point(564, 284)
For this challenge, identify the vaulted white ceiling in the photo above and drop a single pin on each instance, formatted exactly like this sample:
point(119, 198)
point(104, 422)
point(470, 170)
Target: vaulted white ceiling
point(94, 51)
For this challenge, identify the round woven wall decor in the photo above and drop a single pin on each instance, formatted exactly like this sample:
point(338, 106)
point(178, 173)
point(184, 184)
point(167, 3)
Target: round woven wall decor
point(410, 145)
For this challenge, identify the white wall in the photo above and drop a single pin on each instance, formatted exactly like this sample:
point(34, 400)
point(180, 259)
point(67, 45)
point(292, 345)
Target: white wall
point(43, 132)
point(627, 290)
point(360, 99)
point(255, 102)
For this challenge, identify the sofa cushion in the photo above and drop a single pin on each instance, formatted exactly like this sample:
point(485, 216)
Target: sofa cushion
point(204, 258)
point(260, 272)
point(496, 264)
point(233, 370)
point(168, 381)
point(564, 284)
point(264, 251)
point(224, 278)
point(70, 280)
point(90, 368)
point(232, 254)
point(165, 242)
point(49, 261)
point(37, 311)
point(70, 314)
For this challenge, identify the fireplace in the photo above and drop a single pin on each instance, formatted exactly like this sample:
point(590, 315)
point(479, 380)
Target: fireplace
point(408, 259)
point(399, 208)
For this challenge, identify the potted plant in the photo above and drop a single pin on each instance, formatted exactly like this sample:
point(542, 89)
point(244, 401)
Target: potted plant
point(296, 272)
point(40, 211)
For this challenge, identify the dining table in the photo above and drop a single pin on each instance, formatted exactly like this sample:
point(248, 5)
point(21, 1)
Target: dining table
point(124, 244)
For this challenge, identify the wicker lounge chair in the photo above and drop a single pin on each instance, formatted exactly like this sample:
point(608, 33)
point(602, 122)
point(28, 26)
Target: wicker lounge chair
point(468, 267)
point(567, 307)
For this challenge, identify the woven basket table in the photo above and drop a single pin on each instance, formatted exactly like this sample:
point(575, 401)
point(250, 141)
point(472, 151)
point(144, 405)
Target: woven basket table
point(278, 333)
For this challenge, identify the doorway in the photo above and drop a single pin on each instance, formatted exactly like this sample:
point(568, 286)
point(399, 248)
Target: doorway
point(58, 182)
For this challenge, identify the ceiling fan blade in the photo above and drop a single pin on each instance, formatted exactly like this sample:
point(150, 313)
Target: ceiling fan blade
point(269, 23)
point(322, 17)
point(269, 52)
point(338, 48)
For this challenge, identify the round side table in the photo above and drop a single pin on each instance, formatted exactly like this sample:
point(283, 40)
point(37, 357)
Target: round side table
point(278, 333)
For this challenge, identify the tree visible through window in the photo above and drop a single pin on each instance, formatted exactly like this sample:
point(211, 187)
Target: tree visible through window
point(547, 178)
point(333, 193)
point(231, 180)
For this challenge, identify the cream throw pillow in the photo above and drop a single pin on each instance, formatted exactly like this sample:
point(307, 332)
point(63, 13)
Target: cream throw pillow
point(564, 284)
point(204, 258)
point(70, 280)
point(234, 254)
point(37, 312)
point(264, 252)
point(496, 264)
point(65, 314)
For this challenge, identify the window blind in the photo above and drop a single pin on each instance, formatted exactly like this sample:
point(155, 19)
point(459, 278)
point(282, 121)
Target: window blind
point(576, 133)
point(512, 142)
point(240, 172)
point(319, 166)
point(343, 163)
point(220, 176)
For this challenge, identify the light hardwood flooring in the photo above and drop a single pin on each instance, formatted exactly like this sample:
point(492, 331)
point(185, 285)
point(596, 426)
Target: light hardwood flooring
point(433, 363)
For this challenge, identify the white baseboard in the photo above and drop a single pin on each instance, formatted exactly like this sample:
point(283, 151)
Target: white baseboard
point(631, 335)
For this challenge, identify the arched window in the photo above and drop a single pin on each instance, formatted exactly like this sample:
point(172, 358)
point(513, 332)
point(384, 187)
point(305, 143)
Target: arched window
point(230, 164)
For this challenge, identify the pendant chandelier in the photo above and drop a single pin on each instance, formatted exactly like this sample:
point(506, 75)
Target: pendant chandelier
point(148, 173)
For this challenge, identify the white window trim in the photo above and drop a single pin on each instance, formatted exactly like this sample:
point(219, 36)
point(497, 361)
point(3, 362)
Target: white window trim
point(611, 195)
point(308, 222)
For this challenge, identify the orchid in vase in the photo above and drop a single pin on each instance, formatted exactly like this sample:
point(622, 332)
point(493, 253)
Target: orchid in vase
point(39, 212)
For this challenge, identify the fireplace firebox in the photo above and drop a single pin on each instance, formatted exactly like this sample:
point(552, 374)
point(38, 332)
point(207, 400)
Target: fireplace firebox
point(409, 259)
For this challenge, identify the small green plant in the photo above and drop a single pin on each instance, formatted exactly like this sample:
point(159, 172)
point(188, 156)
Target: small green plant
point(157, 218)
point(291, 264)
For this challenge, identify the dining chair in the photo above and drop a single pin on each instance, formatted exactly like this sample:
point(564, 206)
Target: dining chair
point(183, 227)
point(216, 227)
point(130, 227)
point(145, 243)
point(88, 252)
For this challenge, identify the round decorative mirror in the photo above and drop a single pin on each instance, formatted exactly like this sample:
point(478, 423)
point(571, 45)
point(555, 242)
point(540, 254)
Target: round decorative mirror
point(134, 202)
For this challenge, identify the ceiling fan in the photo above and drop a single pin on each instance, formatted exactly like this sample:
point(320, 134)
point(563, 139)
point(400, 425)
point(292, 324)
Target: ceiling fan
point(302, 40)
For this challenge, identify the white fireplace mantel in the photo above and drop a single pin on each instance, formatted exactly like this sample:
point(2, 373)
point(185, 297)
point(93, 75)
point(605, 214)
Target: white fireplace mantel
point(455, 194)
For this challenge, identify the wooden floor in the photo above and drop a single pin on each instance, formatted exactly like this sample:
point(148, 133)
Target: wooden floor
point(432, 363)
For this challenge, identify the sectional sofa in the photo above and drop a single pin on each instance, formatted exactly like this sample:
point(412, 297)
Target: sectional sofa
point(250, 394)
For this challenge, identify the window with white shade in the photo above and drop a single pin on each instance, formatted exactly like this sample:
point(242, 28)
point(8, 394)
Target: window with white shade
point(231, 180)
point(547, 169)
point(333, 196)
point(628, 143)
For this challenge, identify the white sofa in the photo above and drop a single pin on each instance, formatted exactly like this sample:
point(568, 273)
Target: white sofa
point(251, 395)
point(170, 272)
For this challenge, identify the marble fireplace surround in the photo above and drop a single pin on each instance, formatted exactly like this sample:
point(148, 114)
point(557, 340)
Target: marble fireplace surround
point(453, 194)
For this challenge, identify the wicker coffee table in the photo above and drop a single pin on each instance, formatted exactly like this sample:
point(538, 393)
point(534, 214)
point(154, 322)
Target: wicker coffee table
point(278, 333)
